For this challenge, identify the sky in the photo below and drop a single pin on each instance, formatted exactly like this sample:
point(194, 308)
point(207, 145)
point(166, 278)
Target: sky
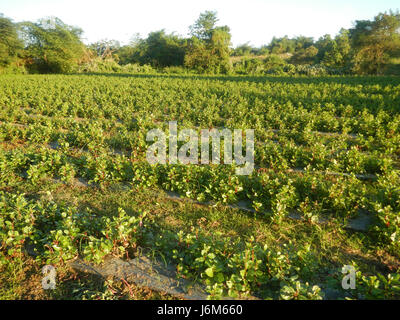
point(252, 21)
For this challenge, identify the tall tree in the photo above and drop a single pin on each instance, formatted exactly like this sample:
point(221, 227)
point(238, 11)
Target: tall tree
point(163, 50)
point(243, 50)
point(324, 44)
point(303, 42)
point(52, 45)
point(282, 45)
point(375, 42)
point(344, 47)
point(105, 48)
point(202, 28)
point(304, 56)
point(10, 44)
point(334, 52)
point(209, 48)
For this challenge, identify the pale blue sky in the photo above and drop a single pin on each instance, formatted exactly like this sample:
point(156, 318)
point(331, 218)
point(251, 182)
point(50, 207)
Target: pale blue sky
point(256, 21)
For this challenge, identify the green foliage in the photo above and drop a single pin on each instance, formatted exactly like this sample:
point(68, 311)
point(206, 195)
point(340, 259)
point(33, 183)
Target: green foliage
point(242, 50)
point(286, 45)
point(304, 56)
point(99, 65)
point(249, 66)
point(295, 290)
point(63, 233)
point(273, 61)
point(212, 57)
point(10, 44)
point(208, 50)
point(162, 50)
point(105, 48)
point(52, 46)
point(231, 269)
point(326, 149)
point(204, 25)
point(335, 53)
point(375, 42)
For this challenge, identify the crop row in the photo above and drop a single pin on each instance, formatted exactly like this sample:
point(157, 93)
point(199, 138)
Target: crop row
point(277, 192)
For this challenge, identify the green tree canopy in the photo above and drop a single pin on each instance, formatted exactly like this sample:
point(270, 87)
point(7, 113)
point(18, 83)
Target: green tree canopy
point(52, 46)
point(10, 44)
point(375, 42)
point(163, 50)
point(335, 52)
point(304, 56)
point(273, 61)
point(209, 48)
point(105, 48)
point(202, 28)
point(243, 50)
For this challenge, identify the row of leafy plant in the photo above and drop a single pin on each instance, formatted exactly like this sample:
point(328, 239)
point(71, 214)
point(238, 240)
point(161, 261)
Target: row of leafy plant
point(57, 233)
point(272, 192)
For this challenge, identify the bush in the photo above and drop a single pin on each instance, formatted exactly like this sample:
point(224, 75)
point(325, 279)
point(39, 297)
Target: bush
point(111, 66)
point(273, 61)
point(13, 69)
point(137, 68)
point(248, 66)
point(312, 70)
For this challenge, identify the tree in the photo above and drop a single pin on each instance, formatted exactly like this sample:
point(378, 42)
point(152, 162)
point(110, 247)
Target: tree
point(10, 44)
point(128, 54)
point(243, 50)
point(343, 47)
point(219, 47)
point(209, 48)
point(304, 56)
point(302, 42)
point(332, 56)
point(159, 49)
point(249, 66)
point(197, 56)
point(273, 61)
point(105, 48)
point(202, 28)
point(131, 52)
point(286, 45)
point(334, 53)
point(263, 50)
point(163, 50)
point(282, 45)
point(52, 46)
point(324, 44)
point(210, 57)
point(375, 42)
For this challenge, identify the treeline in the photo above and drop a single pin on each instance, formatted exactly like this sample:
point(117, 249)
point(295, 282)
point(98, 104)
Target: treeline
point(51, 46)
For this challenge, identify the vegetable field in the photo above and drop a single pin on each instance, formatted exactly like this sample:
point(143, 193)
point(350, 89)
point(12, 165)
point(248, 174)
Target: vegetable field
point(74, 182)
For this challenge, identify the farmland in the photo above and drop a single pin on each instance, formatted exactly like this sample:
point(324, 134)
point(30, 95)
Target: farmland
point(74, 182)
